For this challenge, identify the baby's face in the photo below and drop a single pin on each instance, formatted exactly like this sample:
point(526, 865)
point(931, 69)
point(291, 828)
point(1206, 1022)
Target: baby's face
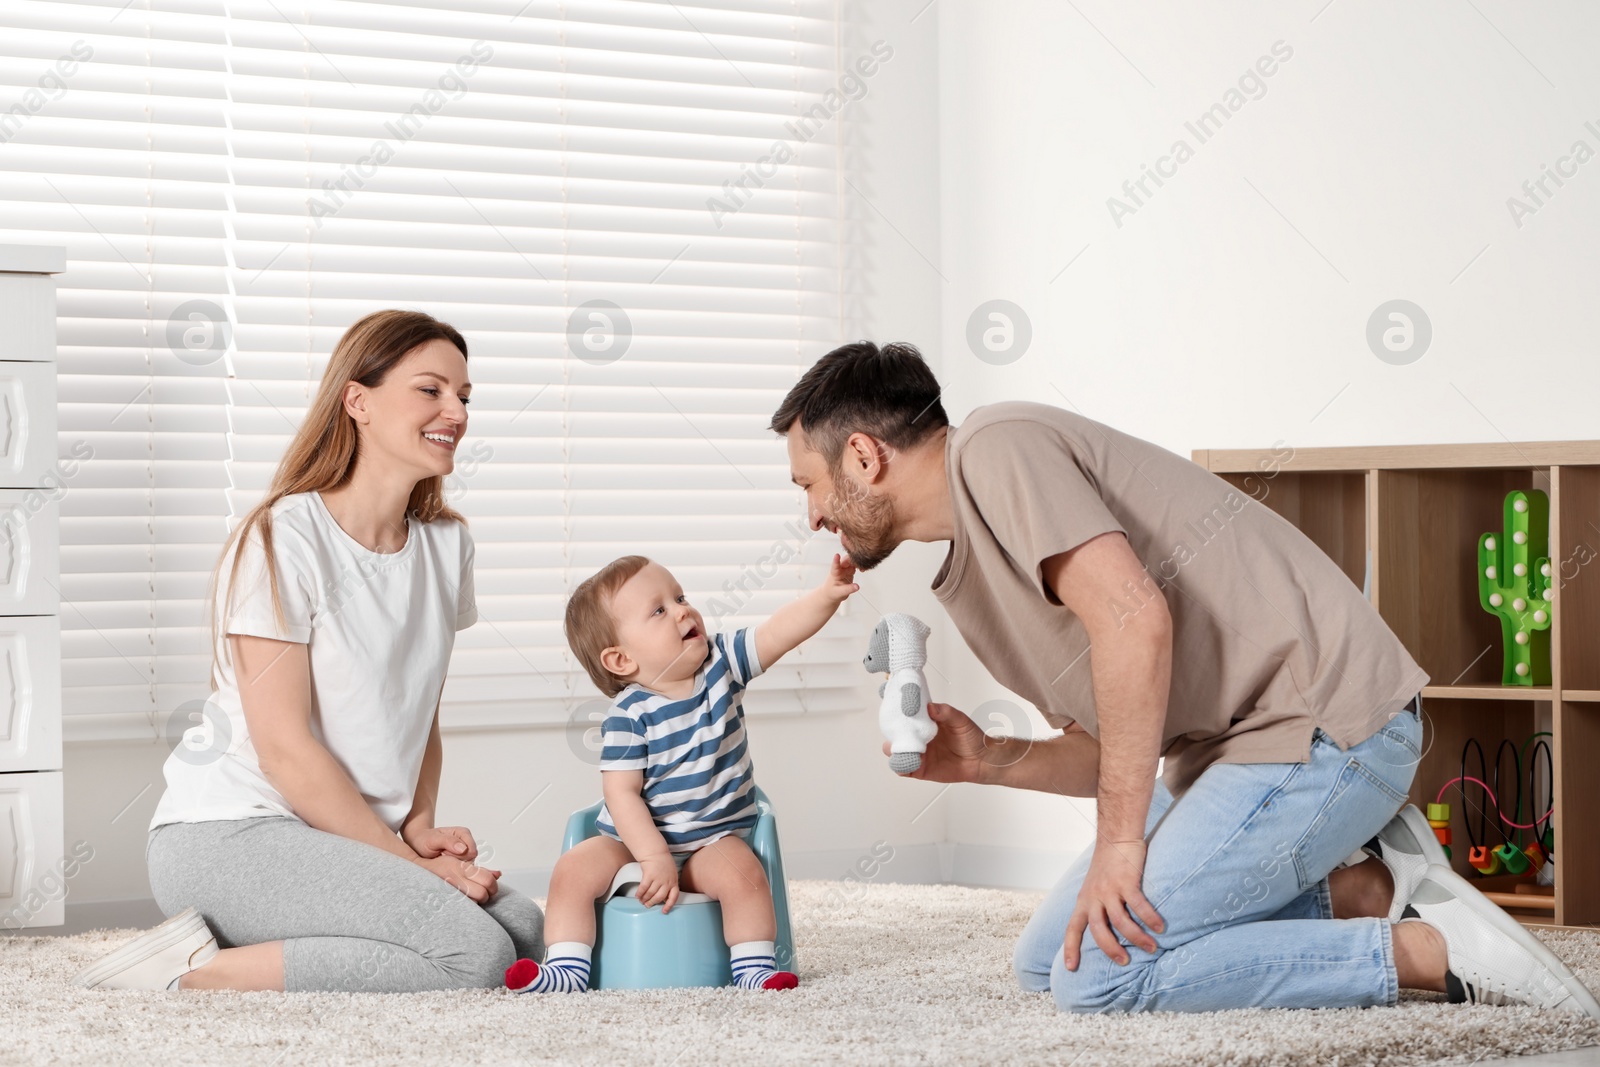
point(656, 627)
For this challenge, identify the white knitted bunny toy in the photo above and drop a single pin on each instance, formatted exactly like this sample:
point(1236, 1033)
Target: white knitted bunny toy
point(900, 647)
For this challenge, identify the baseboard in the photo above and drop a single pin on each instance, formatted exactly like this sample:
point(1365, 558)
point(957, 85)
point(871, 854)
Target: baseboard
point(1007, 867)
point(934, 863)
point(135, 914)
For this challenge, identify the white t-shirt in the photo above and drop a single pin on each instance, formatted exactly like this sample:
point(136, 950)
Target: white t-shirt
point(380, 628)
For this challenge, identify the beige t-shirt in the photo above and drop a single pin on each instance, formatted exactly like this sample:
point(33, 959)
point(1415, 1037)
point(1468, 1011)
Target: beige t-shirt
point(1270, 638)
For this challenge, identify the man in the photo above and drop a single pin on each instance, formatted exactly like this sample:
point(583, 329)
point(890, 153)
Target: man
point(1148, 609)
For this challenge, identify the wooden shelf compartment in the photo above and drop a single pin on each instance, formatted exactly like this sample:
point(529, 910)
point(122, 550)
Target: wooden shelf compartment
point(1575, 553)
point(1425, 584)
point(1447, 724)
point(1330, 507)
point(1577, 753)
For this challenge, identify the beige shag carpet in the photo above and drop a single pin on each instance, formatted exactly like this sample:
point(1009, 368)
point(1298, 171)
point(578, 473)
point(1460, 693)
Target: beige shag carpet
point(889, 974)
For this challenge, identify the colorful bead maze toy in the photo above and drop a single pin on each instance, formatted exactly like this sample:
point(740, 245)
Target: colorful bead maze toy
point(1514, 867)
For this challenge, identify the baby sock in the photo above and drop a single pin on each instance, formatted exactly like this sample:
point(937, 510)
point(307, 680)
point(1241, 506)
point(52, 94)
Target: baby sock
point(565, 970)
point(755, 966)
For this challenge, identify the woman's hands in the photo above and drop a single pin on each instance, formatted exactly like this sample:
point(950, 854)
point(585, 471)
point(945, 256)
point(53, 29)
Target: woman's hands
point(478, 883)
point(660, 882)
point(434, 841)
point(451, 853)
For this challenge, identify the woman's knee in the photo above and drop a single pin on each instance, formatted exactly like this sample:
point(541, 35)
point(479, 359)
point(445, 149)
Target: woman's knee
point(491, 973)
point(480, 958)
point(522, 919)
point(464, 944)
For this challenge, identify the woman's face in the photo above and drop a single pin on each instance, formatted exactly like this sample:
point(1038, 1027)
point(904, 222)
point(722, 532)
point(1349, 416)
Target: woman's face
point(416, 418)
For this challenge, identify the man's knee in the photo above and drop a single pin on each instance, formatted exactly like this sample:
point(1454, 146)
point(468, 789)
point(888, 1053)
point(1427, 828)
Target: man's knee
point(1073, 994)
point(1098, 986)
point(1030, 962)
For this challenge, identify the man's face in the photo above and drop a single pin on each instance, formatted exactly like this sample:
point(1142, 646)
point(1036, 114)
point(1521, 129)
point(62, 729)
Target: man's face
point(843, 499)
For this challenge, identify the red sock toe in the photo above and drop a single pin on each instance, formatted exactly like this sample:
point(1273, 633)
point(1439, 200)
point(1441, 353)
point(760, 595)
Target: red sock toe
point(781, 980)
point(520, 975)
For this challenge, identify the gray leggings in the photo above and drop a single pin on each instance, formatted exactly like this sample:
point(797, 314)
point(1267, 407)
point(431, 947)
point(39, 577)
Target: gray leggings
point(351, 917)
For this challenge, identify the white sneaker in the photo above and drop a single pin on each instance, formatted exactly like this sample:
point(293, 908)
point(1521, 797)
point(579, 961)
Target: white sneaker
point(1407, 847)
point(1493, 959)
point(155, 958)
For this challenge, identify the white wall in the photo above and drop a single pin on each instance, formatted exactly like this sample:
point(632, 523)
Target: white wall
point(1230, 309)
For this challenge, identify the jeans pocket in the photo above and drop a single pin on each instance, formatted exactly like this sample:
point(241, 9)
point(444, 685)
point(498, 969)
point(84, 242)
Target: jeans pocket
point(1400, 730)
point(1393, 753)
point(1359, 804)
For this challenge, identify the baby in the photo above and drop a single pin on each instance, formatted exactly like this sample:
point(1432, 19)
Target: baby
point(679, 793)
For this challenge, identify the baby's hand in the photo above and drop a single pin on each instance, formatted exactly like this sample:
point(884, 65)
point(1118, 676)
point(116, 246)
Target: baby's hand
point(838, 586)
point(659, 885)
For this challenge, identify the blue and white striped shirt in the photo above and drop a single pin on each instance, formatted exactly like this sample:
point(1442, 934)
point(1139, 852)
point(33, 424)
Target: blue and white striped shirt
point(697, 775)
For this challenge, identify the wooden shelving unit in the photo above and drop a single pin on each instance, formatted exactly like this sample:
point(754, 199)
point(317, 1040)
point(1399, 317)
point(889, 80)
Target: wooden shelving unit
point(1403, 521)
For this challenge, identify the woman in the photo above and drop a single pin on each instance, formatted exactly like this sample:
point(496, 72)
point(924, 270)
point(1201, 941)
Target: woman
point(302, 836)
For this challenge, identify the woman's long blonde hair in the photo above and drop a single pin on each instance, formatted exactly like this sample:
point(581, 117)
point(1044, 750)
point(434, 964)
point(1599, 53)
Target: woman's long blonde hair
point(324, 451)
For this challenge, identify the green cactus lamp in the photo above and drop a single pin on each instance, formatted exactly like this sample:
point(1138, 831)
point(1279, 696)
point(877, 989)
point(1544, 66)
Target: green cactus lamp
point(1517, 583)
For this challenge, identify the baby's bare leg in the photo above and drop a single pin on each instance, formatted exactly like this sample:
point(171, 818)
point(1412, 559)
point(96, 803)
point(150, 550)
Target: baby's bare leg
point(581, 876)
point(727, 871)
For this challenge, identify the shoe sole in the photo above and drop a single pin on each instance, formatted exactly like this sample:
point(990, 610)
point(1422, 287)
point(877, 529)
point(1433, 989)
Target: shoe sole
point(1490, 912)
point(174, 931)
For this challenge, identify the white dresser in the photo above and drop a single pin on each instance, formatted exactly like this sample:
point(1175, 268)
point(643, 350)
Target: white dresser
point(33, 866)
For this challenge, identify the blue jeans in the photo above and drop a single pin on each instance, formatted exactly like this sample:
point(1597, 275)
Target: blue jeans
point(1238, 871)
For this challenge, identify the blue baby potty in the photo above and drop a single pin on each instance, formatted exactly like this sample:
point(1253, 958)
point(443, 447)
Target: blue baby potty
point(640, 948)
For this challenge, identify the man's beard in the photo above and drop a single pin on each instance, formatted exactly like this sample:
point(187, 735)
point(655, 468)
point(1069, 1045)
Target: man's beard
point(870, 528)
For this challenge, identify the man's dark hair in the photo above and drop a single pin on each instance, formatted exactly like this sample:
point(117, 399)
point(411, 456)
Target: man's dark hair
point(887, 393)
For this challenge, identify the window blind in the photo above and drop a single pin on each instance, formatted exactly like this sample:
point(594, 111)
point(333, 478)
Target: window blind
point(630, 209)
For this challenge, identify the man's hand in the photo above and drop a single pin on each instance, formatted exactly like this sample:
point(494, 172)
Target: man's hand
point(956, 753)
point(837, 586)
point(1111, 890)
point(434, 841)
point(660, 882)
point(479, 883)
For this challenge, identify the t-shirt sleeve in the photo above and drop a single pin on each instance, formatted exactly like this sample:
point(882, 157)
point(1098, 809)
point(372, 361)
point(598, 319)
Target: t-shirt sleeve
point(622, 741)
point(1033, 493)
point(467, 589)
point(248, 603)
point(739, 649)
